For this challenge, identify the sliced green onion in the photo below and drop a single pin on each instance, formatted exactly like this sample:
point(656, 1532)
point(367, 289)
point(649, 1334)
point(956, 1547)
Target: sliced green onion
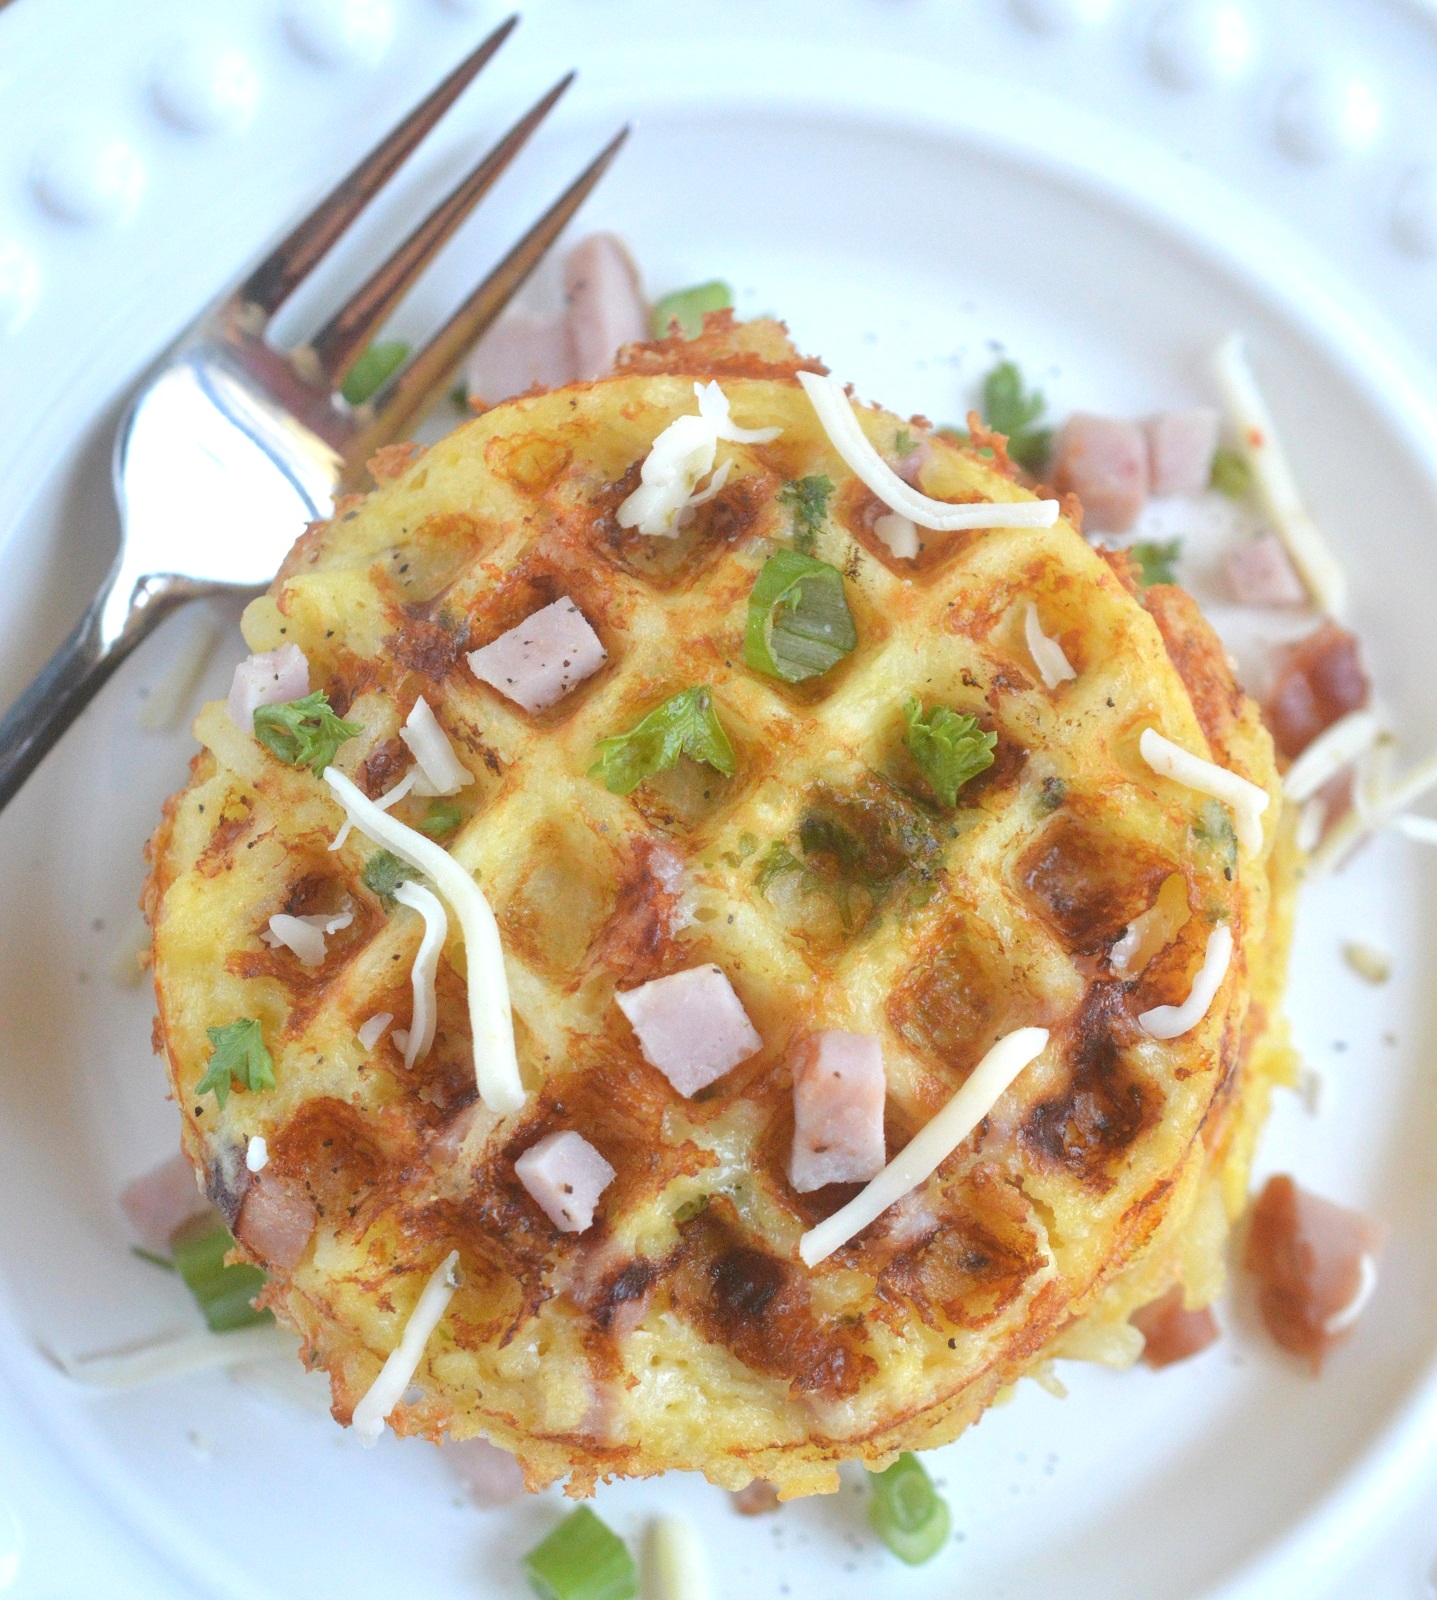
point(1231, 473)
point(686, 724)
point(687, 307)
point(582, 1559)
point(153, 1257)
point(373, 370)
point(223, 1293)
point(799, 624)
point(907, 1512)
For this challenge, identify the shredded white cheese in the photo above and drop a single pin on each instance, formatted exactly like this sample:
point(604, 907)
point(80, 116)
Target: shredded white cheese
point(1245, 800)
point(1340, 1321)
point(676, 1568)
point(496, 1067)
point(426, 967)
point(899, 533)
point(390, 797)
point(1423, 829)
point(1311, 820)
point(680, 455)
point(1148, 932)
point(1171, 1022)
point(398, 1371)
point(164, 1359)
point(930, 1146)
point(1053, 666)
point(1256, 435)
point(847, 437)
point(1375, 811)
point(371, 1032)
point(440, 770)
point(1367, 961)
point(256, 1155)
point(1333, 749)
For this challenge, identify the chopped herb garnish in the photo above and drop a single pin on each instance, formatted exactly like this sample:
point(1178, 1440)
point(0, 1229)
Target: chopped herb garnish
point(1214, 828)
point(223, 1293)
point(807, 499)
point(442, 818)
point(239, 1057)
point(459, 398)
point(1157, 560)
point(907, 1512)
point(904, 444)
point(304, 733)
point(799, 624)
point(373, 370)
point(382, 875)
point(687, 307)
point(1052, 795)
point(686, 724)
point(949, 748)
point(691, 1208)
point(1231, 473)
point(1010, 409)
point(582, 1559)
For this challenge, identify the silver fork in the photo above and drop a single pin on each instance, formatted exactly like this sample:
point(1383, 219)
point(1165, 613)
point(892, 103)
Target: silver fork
point(231, 445)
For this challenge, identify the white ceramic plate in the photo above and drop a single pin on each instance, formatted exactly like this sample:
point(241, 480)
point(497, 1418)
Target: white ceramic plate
point(908, 219)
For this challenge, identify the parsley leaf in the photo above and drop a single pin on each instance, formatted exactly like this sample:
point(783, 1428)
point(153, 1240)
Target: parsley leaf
point(1010, 409)
point(224, 1291)
point(375, 367)
point(1231, 473)
point(382, 875)
point(239, 1057)
point(1156, 560)
point(949, 748)
point(442, 818)
point(686, 724)
point(904, 444)
point(687, 307)
point(304, 733)
point(799, 624)
point(807, 499)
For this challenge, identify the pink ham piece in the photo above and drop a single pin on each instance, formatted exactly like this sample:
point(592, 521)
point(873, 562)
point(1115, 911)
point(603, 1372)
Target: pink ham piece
point(1259, 573)
point(1315, 1266)
point(161, 1200)
point(540, 661)
point(276, 1220)
point(1104, 461)
point(606, 303)
point(518, 353)
point(691, 1026)
point(1181, 445)
point(1171, 1332)
point(565, 1175)
point(838, 1093)
point(272, 679)
point(488, 1475)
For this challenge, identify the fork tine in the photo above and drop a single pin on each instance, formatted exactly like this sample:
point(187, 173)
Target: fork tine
point(406, 395)
point(286, 267)
point(338, 344)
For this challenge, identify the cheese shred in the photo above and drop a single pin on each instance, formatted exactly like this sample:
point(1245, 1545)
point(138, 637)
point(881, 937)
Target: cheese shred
point(1171, 1022)
point(399, 1368)
point(426, 967)
point(496, 1066)
point(1053, 666)
point(847, 437)
point(930, 1146)
point(1244, 799)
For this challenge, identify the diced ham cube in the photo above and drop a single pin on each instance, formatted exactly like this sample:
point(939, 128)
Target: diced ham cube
point(755, 1499)
point(1104, 461)
point(536, 664)
point(1259, 573)
point(517, 353)
point(1319, 679)
point(606, 303)
point(565, 1175)
point(161, 1200)
point(489, 1476)
point(1315, 1264)
point(273, 678)
point(1171, 1332)
point(691, 1026)
point(276, 1220)
point(1181, 445)
point(838, 1093)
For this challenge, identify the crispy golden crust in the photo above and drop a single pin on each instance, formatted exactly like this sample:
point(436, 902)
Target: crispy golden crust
point(681, 1330)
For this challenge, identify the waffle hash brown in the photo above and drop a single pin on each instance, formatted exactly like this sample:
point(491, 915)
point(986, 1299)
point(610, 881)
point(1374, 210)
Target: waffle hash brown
point(823, 877)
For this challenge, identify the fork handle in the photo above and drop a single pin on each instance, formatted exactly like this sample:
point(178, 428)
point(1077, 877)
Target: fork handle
point(72, 677)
